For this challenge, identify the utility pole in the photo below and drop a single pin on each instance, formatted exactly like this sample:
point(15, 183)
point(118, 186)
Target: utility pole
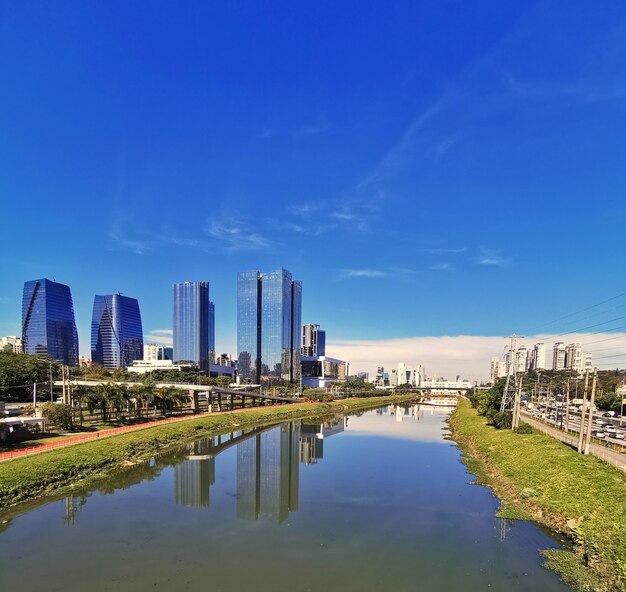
point(517, 404)
point(35, 397)
point(51, 396)
point(508, 395)
point(590, 421)
point(583, 414)
point(567, 408)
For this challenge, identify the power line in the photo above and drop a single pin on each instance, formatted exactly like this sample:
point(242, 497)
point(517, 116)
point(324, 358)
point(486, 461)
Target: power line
point(567, 316)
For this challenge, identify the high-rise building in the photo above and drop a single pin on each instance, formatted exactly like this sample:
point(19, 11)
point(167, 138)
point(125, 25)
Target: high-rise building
point(191, 323)
point(521, 359)
point(313, 341)
point(11, 343)
point(574, 357)
point(497, 366)
point(153, 352)
point(537, 357)
point(269, 312)
point(558, 356)
point(116, 331)
point(48, 325)
point(211, 332)
point(588, 365)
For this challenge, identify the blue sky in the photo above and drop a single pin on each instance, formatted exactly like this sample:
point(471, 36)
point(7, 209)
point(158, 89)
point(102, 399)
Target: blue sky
point(426, 168)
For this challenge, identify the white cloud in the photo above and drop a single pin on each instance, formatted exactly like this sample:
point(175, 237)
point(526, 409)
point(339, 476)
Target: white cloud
point(466, 355)
point(491, 257)
point(235, 235)
point(160, 336)
point(444, 251)
point(362, 273)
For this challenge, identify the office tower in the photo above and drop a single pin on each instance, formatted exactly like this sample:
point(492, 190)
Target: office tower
point(558, 356)
point(48, 325)
point(116, 332)
point(313, 341)
point(401, 375)
point(211, 332)
point(574, 357)
point(537, 357)
point(11, 343)
point(269, 310)
point(191, 323)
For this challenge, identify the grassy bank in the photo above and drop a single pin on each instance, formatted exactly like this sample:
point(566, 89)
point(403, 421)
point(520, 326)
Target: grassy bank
point(29, 477)
point(537, 477)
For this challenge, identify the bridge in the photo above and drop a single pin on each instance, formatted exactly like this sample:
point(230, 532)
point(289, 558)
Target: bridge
point(219, 398)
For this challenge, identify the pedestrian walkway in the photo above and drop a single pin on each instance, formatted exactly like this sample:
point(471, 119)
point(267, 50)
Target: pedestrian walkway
point(100, 434)
point(613, 457)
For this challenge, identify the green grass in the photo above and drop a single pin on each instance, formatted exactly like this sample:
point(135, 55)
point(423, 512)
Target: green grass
point(26, 478)
point(537, 476)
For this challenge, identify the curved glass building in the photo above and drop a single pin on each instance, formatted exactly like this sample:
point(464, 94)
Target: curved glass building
point(48, 325)
point(269, 310)
point(116, 331)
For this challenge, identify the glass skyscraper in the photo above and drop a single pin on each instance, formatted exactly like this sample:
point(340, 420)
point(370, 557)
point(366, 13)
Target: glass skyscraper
point(191, 323)
point(116, 331)
point(269, 311)
point(48, 325)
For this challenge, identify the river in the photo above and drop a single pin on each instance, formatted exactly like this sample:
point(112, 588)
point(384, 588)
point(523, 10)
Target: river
point(367, 502)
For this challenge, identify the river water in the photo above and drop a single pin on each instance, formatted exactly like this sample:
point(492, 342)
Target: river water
point(367, 502)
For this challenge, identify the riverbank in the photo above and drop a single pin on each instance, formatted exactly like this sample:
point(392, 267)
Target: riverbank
point(538, 477)
point(26, 478)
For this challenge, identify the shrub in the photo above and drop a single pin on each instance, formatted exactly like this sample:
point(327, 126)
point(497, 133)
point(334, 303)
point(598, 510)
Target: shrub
point(503, 421)
point(524, 428)
point(59, 414)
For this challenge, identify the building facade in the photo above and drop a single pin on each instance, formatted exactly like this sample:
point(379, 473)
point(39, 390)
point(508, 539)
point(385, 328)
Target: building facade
point(11, 343)
point(313, 341)
point(537, 358)
point(48, 324)
point(190, 310)
point(558, 356)
point(269, 312)
point(154, 351)
point(116, 331)
point(574, 359)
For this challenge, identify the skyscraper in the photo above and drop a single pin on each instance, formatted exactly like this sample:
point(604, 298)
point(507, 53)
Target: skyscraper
point(269, 312)
point(191, 323)
point(211, 332)
point(574, 359)
point(313, 340)
point(116, 331)
point(48, 325)
point(537, 359)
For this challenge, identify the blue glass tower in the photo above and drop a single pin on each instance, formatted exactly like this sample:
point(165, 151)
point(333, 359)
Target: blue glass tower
point(48, 325)
point(116, 331)
point(191, 323)
point(269, 310)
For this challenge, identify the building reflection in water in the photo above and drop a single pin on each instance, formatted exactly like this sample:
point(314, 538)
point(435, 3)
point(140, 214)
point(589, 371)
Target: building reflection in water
point(268, 470)
point(195, 475)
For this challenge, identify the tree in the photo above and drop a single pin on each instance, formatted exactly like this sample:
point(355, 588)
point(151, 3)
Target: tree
point(140, 394)
point(80, 394)
point(59, 414)
point(18, 372)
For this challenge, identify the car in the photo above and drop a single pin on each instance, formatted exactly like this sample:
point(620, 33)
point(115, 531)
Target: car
point(608, 414)
point(618, 436)
point(597, 434)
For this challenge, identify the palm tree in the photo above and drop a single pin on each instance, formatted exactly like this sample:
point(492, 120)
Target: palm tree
point(140, 394)
point(80, 394)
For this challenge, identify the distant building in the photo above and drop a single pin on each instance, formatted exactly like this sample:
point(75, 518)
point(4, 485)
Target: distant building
point(211, 332)
point(269, 312)
point(191, 323)
point(521, 359)
point(116, 331)
point(313, 341)
point(537, 358)
point(439, 384)
point(12, 344)
point(48, 324)
point(574, 357)
point(154, 351)
point(321, 371)
point(224, 360)
point(147, 366)
point(558, 356)
point(497, 367)
point(363, 376)
point(588, 364)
